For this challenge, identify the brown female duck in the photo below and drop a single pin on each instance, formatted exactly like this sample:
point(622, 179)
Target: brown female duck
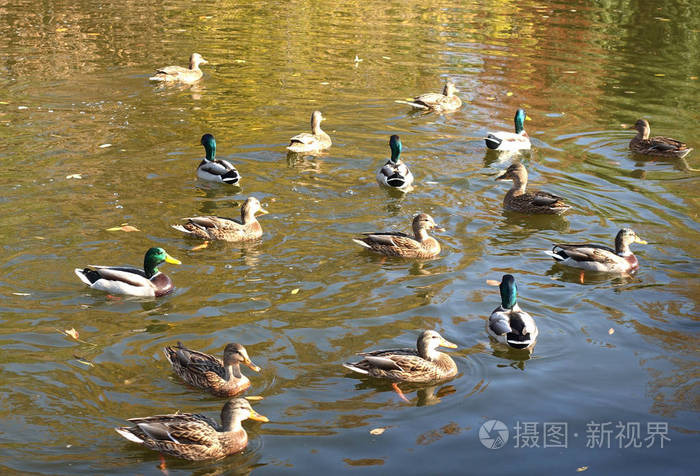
point(179, 74)
point(657, 146)
point(227, 229)
point(534, 202)
point(316, 141)
point(193, 436)
point(425, 364)
point(421, 245)
point(448, 101)
point(204, 371)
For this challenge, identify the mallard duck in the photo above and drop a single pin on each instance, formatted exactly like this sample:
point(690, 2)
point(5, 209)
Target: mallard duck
point(132, 281)
point(509, 324)
point(180, 74)
point(518, 200)
point(600, 258)
point(227, 229)
point(314, 142)
point(221, 378)
point(213, 169)
point(421, 365)
point(446, 102)
point(193, 436)
point(395, 173)
point(657, 146)
point(508, 141)
point(421, 245)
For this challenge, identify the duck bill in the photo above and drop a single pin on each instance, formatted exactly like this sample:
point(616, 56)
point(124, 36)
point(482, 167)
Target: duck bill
point(258, 417)
point(171, 260)
point(262, 211)
point(527, 118)
point(640, 241)
point(448, 344)
point(503, 176)
point(439, 228)
point(251, 365)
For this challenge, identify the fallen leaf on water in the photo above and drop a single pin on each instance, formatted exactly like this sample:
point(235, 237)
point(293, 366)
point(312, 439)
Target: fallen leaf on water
point(377, 431)
point(83, 361)
point(295, 291)
point(254, 398)
point(386, 57)
point(239, 61)
point(509, 93)
point(490, 98)
point(611, 331)
point(493, 282)
point(74, 176)
point(61, 30)
point(660, 75)
point(39, 237)
point(72, 332)
point(582, 468)
point(200, 247)
point(104, 146)
point(22, 294)
point(123, 227)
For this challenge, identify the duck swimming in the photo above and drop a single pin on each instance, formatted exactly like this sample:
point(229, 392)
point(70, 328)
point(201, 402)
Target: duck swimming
point(508, 324)
point(227, 229)
point(213, 169)
point(179, 74)
point(421, 245)
point(656, 146)
point(395, 173)
point(315, 141)
point(517, 199)
point(509, 141)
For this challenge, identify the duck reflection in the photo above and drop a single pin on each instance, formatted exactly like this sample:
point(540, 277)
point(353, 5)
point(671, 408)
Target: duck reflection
point(517, 357)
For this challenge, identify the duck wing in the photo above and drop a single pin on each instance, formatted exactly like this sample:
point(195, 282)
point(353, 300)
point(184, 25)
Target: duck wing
point(126, 274)
point(585, 252)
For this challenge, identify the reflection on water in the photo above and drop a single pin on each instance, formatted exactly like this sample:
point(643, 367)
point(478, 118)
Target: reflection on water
point(76, 102)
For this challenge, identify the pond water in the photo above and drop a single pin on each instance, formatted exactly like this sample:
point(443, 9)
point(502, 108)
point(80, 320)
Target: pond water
point(87, 144)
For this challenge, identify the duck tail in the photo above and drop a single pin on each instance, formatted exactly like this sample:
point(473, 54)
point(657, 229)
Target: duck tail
point(354, 368)
point(492, 142)
point(554, 254)
point(231, 177)
point(412, 104)
point(124, 431)
point(361, 243)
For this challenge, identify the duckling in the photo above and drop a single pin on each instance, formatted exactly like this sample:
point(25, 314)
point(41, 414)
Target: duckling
point(657, 146)
point(508, 324)
point(213, 169)
point(227, 229)
point(193, 436)
point(395, 173)
point(600, 258)
point(533, 202)
point(421, 245)
point(508, 141)
point(180, 74)
point(448, 101)
point(314, 142)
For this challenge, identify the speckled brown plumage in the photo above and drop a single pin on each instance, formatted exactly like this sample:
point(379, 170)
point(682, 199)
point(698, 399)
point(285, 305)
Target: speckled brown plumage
point(421, 245)
point(517, 199)
point(227, 229)
point(657, 146)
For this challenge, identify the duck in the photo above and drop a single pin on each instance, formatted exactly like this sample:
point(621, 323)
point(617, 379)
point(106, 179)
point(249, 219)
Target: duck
point(421, 245)
point(508, 324)
point(193, 436)
point(227, 229)
point(509, 141)
point(600, 258)
point(395, 173)
point(533, 202)
point(204, 371)
point(316, 141)
point(424, 364)
point(179, 74)
point(657, 146)
point(131, 281)
point(213, 169)
point(448, 101)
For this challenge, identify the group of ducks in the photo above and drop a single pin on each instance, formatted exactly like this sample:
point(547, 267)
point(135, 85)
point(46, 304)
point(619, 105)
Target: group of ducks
point(197, 437)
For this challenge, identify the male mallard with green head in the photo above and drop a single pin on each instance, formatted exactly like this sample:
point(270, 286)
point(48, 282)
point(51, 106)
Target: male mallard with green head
point(227, 229)
point(600, 258)
point(517, 199)
point(193, 436)
point(421, 245)
point(213, 169)
point(657, 146)
point(204, 371)
point(131, 281)
point(179, 74)
point(316, 141)
point(508, 141)
point(395, 173)
point(508, 324)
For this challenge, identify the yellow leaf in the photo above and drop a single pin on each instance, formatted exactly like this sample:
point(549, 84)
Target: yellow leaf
point(582, 468)
point(200, 247)
point(74, 176)
point(490, 98)
point(125, 227)
point(660, 75)
point(72, 332)
point(509, 93)
point(377, 431)
point(253, 398)
point(611, 331)
point(493, 282)
point(61, 30)
point(295, 291)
